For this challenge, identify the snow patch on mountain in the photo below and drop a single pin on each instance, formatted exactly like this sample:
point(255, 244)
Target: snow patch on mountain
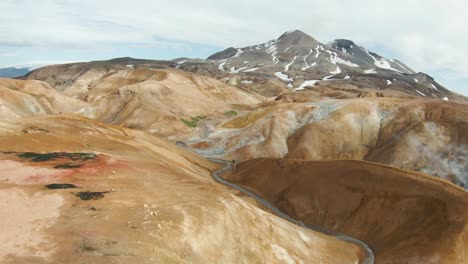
point(251, 70)
point(335, 59)
point(286, 68)
point(283, 77)
point(221, 66)
point(273, 50)
point(335, 72)
point(306, 62)
point(319, 49)
point(370, 71)
point(419, 92)
point(306, 84)
point(382, 63)
point(239, 52)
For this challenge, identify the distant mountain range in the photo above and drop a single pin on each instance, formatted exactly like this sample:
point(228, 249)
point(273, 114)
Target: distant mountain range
point(300, 61)
point(294, 61)
point(13, 72)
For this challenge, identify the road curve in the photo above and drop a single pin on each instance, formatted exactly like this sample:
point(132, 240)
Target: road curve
point(227, 166)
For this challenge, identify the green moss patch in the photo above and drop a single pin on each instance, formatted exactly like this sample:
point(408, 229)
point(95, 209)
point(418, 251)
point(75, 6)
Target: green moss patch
point(193, 122)
point(230, 113)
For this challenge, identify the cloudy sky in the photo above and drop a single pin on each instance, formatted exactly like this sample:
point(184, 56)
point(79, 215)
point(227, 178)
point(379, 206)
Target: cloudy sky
point(428, 35)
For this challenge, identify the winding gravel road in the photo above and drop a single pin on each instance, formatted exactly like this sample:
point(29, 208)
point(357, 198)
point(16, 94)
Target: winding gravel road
point(227, 166)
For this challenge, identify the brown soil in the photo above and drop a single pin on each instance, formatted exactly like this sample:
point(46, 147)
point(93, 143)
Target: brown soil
point(141, 200)
point(406, 217)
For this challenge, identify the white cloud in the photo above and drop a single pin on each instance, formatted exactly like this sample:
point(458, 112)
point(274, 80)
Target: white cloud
point(7, 54)
point(38, 64)
point(429, 35)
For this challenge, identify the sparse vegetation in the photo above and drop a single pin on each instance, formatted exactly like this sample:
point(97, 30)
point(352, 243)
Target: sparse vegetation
point(60, 186)
point(242, 107)
point(193, 122)
point(250, 118)
point(38, 157)
point(86, 196)
point(12, 87)
point(230, 113)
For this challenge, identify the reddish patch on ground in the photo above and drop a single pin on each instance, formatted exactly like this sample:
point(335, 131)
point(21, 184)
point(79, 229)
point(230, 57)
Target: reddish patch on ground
point(17, 171)
point(102, 164)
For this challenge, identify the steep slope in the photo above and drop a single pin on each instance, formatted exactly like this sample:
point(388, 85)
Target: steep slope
point(26, 98)
point(110, 194)
point(168, 102)
point(405, 217)
point(300, 61)
point(369, 59)
point(163, 102)
point(422, 135)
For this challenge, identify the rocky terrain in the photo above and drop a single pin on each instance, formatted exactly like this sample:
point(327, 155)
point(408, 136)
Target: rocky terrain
point(330, 153)
point(421, 135)
point(110, 194)
point(26, 98)
point(162, 102)
point(298, 61)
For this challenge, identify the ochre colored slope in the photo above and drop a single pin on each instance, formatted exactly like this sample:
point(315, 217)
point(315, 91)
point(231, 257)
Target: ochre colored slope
point(137, 199)
point(422, 135)
point(20, 98)
point(156, 100)
point(406, 217)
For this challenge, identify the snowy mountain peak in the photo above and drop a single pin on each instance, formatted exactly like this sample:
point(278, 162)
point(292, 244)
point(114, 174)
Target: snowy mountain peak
point(298, 60)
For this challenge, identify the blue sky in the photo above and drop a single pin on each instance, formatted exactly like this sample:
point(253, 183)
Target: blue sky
point(429, 36)
point(18, 56)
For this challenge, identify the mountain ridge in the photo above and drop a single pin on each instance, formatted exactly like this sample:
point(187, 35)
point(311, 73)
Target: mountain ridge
point(300, 61)
point(293, 62)
point(13, 72)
